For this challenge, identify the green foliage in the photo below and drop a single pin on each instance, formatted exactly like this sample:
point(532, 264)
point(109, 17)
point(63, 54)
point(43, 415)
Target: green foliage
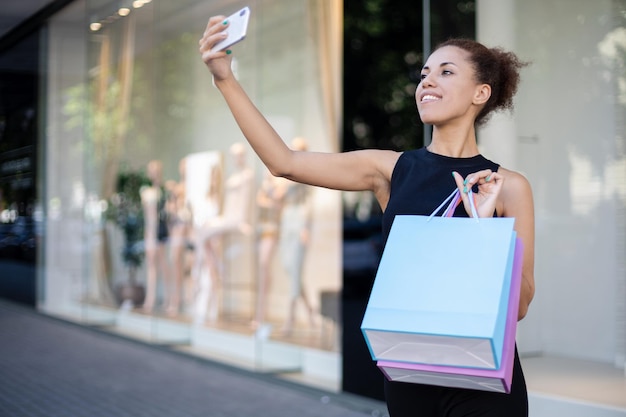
point(125, 210)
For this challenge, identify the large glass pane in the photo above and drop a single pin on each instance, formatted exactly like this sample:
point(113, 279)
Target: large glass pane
point(173, 230)
point(73, 211)
point(20, 212)
point(383, 57)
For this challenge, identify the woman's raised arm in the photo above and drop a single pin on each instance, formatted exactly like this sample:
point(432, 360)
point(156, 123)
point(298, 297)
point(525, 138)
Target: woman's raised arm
point(358, 170)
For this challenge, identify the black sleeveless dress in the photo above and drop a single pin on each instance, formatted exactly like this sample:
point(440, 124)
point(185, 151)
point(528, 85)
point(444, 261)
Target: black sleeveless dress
point(421, 180)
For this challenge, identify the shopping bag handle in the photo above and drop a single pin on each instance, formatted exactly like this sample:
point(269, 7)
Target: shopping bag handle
point(455, 196)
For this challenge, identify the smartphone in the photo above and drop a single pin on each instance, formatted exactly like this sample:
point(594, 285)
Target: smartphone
point(238, 26)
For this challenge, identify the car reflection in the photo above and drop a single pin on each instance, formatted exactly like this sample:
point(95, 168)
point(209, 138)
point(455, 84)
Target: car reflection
point(18, 240)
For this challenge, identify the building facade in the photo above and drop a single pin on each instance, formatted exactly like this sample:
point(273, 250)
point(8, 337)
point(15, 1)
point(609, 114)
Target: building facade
point(152, 217)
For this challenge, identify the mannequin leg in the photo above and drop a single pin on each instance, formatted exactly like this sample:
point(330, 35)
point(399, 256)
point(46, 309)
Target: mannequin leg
point(267, 248)
point(215, 280)
point(162, 268)
point(177, 273)
point(151, 278)
point(201, 282)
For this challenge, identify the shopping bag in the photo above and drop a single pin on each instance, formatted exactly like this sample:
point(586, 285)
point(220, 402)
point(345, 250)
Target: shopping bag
point(441, 292)
point(498, 380)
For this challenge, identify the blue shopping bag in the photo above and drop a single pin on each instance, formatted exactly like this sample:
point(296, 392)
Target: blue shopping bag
point(498, 380)
point(441, 292)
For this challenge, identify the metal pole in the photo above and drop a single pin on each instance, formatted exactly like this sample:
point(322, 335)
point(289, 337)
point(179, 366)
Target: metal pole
point(426, 51)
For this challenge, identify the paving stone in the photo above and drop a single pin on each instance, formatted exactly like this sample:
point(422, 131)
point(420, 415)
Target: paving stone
point(51, 368)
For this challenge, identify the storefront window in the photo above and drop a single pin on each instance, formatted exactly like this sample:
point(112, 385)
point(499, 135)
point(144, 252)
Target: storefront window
point(20, 213)
point(171, 229)
point(161, 223)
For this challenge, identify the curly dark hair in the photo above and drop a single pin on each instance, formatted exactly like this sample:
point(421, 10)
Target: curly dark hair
point(493, 66)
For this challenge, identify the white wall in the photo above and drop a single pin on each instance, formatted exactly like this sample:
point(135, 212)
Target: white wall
point(568, 146)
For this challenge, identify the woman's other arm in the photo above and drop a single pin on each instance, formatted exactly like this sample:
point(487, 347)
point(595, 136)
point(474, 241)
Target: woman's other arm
point(517, 202)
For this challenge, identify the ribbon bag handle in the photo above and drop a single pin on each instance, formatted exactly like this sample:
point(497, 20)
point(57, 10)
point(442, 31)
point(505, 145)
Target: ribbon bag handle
point(455, 196)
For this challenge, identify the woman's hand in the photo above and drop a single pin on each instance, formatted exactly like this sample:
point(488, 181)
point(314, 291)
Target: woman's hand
point(489, 185)
point(218, 62)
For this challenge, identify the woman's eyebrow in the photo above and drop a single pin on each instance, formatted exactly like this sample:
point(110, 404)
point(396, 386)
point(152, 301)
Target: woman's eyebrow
point(443, 64)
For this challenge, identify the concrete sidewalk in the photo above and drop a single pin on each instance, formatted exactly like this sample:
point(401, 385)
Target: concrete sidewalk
point(52, 368)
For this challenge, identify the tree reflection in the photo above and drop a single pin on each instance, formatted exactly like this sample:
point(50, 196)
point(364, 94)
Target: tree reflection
point(382, 62)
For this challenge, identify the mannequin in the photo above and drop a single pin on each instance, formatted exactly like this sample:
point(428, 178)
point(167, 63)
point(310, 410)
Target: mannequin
point(295, 229)
point(207, 270)
point(155, 232)
point(179, 223)
point(269, 203)
point(233, 218)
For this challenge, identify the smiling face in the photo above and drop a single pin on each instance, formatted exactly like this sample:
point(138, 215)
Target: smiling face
point(448, 90)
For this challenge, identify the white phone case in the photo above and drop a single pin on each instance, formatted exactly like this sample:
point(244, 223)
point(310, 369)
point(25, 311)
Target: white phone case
point(238, 26)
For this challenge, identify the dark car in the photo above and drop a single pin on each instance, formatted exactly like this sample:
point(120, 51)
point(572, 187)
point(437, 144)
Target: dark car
point(18, 239)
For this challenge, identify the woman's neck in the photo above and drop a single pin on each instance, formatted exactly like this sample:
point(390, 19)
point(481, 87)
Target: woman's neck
point(454, 142)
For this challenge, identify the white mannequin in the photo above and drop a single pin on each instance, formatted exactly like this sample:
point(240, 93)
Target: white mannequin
point(233, 218)
point(235, 215)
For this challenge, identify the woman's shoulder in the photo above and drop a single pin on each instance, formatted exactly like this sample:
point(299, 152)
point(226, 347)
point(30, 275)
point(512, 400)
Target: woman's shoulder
point(408, 157)
point(515, 178)
point(516, 189)
point(383, 160)
point(415, 153)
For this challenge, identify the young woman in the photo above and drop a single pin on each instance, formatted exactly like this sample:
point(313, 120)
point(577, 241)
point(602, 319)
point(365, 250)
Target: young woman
point(462, 83)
